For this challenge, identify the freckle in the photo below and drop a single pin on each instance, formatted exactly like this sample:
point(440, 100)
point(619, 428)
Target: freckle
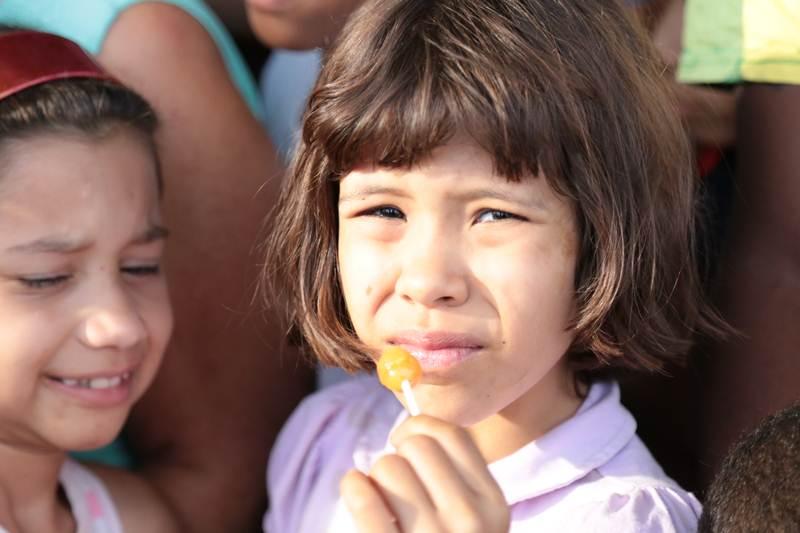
point(369, 290)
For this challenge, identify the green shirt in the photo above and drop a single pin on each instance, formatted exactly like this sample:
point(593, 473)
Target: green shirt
point(731, 41)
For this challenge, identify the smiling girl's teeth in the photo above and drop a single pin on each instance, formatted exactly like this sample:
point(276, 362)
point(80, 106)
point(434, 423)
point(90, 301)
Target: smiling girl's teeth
point(96, 383)
point(104, 383)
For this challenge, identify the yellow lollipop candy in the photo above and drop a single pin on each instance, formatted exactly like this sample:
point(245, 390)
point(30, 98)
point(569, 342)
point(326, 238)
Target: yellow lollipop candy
point(398, 371)
point(397, 365)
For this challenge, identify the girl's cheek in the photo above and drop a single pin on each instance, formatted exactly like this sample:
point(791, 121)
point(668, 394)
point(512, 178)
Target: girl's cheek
point(357, 273)
point(369, 283)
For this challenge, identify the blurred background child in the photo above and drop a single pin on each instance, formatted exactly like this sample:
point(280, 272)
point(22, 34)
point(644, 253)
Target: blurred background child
point(758, 486)
point(84, 311)
point(297, 33)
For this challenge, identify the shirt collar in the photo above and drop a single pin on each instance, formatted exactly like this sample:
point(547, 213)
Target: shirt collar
point(599, 430)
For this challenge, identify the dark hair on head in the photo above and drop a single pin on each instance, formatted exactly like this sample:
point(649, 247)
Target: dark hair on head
point(758, 486)
point(571, 91)
point(88, 106)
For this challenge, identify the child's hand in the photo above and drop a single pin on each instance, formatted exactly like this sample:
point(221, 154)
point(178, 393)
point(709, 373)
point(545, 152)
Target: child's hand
point(436, 482)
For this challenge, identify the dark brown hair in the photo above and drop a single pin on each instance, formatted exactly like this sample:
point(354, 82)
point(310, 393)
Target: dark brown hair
point(758, 486)
point(91, 107)
point(571, 91)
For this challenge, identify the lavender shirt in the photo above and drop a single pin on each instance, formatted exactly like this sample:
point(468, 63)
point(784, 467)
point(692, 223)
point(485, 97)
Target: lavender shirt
point(591, 473)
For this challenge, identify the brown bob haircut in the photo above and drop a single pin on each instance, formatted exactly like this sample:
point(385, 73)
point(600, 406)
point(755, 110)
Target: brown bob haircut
point(570, 91)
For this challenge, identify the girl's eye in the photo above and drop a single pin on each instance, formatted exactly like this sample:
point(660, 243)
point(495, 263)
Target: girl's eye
point(495, 215)
point(384, 211)
point(43, 282)
point(142, 270)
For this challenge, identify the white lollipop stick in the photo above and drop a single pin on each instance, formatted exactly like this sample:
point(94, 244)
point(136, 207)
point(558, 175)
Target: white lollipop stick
point(411, 402)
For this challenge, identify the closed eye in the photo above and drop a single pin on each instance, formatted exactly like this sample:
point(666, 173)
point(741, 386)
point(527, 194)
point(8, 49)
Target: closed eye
point(142, 270)
point(43, 282)
point(496, 215)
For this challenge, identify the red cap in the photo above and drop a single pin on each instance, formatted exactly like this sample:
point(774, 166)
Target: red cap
point(29, 58)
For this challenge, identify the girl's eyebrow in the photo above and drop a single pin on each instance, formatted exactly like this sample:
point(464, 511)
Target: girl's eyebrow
point(501, 194)
point(49, 245)
point(369, 190)
point(151, 234)
point(66, 245)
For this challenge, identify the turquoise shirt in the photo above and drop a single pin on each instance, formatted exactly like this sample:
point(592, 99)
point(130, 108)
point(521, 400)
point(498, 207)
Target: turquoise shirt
point(87, 22)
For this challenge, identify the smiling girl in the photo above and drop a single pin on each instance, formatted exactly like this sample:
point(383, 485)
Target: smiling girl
point(84, 312)
point(501, 188)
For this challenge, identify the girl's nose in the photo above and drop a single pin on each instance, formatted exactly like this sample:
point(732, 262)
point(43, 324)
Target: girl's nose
point(117, 326)
point(433, 274)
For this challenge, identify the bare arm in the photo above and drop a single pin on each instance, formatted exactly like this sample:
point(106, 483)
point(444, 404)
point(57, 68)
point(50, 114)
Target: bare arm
point(205, 428)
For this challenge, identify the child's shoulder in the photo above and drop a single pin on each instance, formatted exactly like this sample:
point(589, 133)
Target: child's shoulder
point(632, 493)
point(137, 503)
point(103, 498)
point(338, 413)
point(6, 515)
point(641, 505)
point(595, 474)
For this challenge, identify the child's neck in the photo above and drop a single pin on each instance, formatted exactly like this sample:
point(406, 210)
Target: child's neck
point(546, 405)
point(29, 496)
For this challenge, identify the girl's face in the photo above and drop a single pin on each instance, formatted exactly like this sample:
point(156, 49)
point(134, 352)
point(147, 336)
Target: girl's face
point(84, 312)
point(474, 275)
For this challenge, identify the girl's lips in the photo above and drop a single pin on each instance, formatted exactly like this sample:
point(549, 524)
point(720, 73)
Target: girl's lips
point(438, 360)
point(438, 350)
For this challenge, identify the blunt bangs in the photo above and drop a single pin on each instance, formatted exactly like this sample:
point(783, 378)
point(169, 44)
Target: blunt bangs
point(420, 87)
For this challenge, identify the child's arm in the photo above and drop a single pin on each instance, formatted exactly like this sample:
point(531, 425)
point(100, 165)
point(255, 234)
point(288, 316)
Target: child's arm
point(140, 508)
point(436, 482)
point(203, 430)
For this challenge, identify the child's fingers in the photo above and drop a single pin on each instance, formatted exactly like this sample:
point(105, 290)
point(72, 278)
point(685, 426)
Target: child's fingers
point(459, 507)
point(459, 447)
point(366, 505)
point(405, 494)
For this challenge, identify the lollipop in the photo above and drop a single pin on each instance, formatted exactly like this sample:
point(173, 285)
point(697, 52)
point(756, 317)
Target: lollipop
point(398, 371)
